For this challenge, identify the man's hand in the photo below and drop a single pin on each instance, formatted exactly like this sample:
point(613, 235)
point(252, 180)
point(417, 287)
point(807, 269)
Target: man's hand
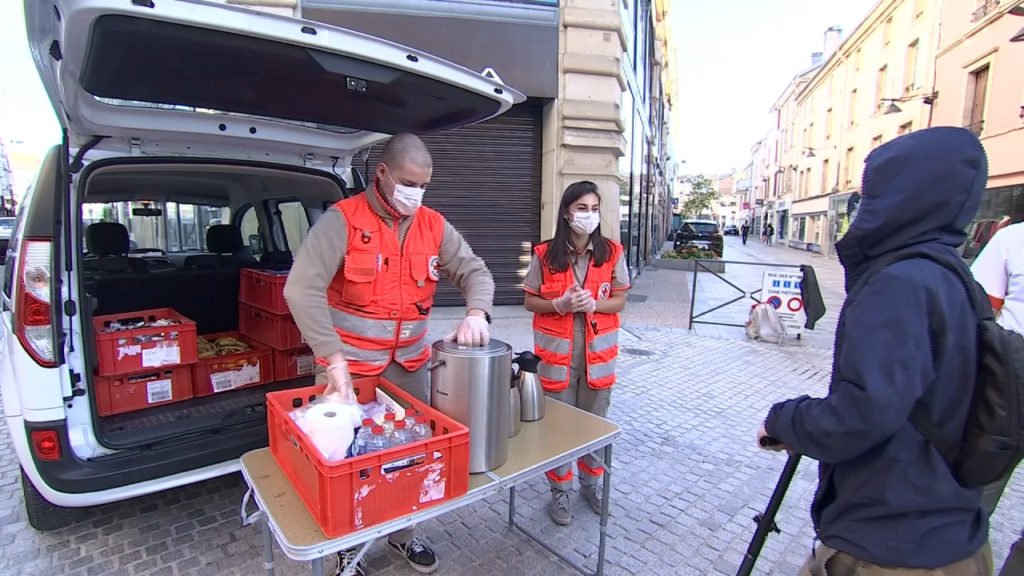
point(473, 331)
point(339, 383)
point(766, 442)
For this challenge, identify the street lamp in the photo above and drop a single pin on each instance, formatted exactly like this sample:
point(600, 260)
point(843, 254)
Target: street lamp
point(927, 99)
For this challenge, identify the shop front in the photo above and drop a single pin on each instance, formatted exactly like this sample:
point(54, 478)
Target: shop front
point(810, 221)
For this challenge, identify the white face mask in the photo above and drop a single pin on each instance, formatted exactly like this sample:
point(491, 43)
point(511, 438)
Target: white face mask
point(585, 222)
point(406, 199)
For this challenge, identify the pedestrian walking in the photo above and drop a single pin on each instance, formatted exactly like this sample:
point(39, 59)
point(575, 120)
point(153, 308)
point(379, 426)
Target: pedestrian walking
point(906, 348)
point(1000, 270)
point(576, 287)
point(769, 233)
point(744, 232)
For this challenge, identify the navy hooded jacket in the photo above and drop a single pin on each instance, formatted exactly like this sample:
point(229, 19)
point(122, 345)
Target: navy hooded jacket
point(908, 333)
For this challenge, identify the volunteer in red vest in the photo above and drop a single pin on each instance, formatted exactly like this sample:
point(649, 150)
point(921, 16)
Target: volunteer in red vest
point(576, 286)
point(362, 288)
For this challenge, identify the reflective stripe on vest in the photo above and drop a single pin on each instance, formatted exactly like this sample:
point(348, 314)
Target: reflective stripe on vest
point(553, 372)
point(372, 329)
point(605, 341)
point(602, 370)
point(551, 343)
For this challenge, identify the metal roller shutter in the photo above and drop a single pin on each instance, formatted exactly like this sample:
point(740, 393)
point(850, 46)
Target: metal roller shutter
point(486, 182)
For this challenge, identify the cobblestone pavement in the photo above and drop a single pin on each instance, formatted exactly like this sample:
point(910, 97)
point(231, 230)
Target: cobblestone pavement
point(687, 477)
point(688, 482)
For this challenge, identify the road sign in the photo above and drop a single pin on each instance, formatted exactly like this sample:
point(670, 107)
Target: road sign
point(781, 289)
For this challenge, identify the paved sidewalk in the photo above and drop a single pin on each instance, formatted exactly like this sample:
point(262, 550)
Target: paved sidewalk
point(687, 476)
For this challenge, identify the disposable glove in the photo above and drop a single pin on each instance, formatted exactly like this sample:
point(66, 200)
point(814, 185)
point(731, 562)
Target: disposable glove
point(473, 331)
point(339, 384)
point(572, 301)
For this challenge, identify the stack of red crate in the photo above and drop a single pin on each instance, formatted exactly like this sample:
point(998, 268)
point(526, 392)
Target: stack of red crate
point(144, 359)
point(263, 315)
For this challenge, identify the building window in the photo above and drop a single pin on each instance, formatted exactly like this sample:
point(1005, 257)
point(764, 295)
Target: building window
point(880, 86)
point(828, 125)
point(876, 141)
point(887, 32)
point(810, 134)
point(910, 67)
point(853, 107)
point(906, 128)
point(977, 91)
point(848, 168)
point(824, 177)
point(857, 58)
point(919, 6)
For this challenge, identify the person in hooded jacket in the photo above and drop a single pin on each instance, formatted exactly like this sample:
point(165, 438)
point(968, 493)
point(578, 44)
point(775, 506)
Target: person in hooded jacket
point(887, 503)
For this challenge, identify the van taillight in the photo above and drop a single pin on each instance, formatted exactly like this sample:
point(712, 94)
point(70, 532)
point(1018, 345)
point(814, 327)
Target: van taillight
point(46, 444)
point(32, 309)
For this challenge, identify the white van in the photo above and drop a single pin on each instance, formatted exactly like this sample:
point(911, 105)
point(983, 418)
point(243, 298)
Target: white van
point(201, 139)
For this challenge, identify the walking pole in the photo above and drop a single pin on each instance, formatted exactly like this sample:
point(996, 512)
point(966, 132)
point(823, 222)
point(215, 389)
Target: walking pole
point(766, 521)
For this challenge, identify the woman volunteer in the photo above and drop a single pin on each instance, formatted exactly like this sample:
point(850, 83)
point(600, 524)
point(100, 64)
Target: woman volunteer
point(576, 286)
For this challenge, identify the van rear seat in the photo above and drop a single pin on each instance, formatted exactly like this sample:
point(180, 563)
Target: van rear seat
point(207, 296)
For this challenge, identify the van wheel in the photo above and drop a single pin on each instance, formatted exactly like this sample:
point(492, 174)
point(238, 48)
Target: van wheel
point(42, 515)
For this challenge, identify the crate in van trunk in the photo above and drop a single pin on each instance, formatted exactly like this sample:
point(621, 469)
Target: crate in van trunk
point(367, 490)
point(275, 330)
point(264, 289)
point(217, 374)
point(294, 363)
point(132, 392)
point(133, 342)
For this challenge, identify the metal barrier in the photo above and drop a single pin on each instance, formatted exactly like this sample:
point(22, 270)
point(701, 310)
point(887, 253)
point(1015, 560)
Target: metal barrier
point(699, 264)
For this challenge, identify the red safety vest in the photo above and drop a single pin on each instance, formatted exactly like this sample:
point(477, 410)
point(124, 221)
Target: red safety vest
point(382, 296)
point(553, 333)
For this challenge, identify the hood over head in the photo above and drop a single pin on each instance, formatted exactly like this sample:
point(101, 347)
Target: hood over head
point(922, 188)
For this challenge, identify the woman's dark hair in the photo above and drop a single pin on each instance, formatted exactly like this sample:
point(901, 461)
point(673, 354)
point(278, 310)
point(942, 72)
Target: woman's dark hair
point(558, 259)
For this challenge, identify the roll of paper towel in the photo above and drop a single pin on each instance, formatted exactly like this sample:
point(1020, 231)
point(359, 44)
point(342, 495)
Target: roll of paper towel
point(331, 426)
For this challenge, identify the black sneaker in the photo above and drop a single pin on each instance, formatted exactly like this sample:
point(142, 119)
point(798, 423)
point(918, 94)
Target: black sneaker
point(417, 554)
point(345, 559)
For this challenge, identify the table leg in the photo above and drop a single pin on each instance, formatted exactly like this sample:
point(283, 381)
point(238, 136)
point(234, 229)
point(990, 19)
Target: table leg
point(605, 507)
point(268, 547)
point(318, 567)
point(512, 507)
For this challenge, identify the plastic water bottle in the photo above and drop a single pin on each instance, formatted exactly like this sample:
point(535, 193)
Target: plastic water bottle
point(377, 440)
point(416, 423)
point(365, 431)
point(389, 424)
point(400, 436)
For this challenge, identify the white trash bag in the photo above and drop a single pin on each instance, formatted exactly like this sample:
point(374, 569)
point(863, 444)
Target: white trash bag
point(764, 324)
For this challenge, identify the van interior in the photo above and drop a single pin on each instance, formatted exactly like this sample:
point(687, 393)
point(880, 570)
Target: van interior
point(166, 234)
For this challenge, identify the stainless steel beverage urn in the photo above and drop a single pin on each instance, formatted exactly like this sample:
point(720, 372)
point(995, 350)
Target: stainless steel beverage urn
point(531, 392)
point(471, 385)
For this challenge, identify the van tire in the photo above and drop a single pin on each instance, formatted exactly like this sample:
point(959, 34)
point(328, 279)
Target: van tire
point(42, 515)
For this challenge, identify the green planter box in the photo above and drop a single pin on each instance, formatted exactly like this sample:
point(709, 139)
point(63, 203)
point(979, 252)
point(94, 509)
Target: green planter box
point(689, 265)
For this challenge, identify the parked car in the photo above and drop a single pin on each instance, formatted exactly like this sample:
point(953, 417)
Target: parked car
point(195, 105)
point(701, 234)
point(731, 230)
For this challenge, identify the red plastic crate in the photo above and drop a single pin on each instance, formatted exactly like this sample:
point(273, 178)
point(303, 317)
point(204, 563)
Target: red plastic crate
point(294, 363)
point(363, 491)
point(264, 289)
point(141, 349)
point(131, 392)
point(275, 330)
point(223, 373)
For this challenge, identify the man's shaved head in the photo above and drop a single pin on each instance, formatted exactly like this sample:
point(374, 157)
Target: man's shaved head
point(406, 149)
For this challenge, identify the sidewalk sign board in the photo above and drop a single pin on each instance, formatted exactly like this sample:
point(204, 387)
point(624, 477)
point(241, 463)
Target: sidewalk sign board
point(781, 289)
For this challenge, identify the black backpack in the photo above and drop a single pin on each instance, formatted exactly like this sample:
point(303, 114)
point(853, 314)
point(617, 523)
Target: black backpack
point(993, 438)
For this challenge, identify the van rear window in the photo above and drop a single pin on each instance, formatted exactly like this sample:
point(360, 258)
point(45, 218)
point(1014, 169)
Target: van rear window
point(166, 226)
